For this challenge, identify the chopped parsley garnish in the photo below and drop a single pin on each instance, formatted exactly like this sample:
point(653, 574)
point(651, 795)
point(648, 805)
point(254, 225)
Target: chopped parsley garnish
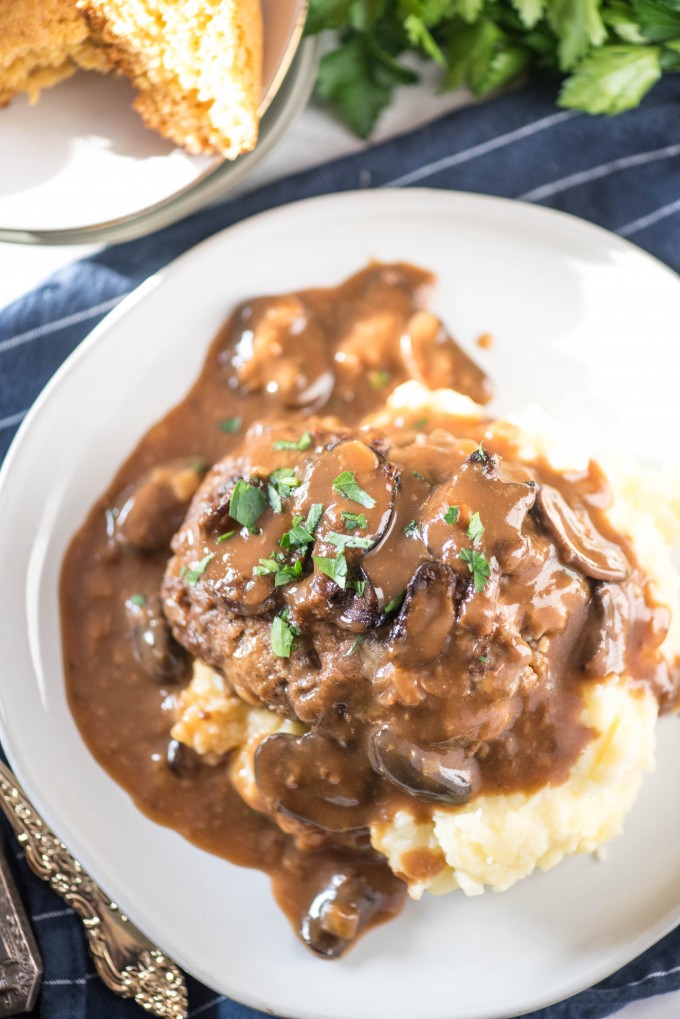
point(379, 378)
point(475, 529)
point(417, 474)
point(412, 530)
point(283, 572)
point(225, 537)
point(420, 424)
point(395, 602)
point(230, 424)
point(343, 541)
point(452, 514)
point(196, 570)
point(357, 641)
point(484, 659)
point(352, 520)
point(302, 534)
point(282, 635)
point(282, 481)
point(247, 504)
point(200, 466)
point(335, 568)
point(345, 484)
point(304, 442)
point(478, 567)
point(138, 599)
point(480, 455)
point(360, 587)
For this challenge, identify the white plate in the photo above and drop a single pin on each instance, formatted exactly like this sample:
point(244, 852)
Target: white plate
point(82, 156)
point(565, 302)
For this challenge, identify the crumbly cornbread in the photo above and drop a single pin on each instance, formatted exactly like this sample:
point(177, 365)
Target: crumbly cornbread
point(196, 66)
point(41, 43)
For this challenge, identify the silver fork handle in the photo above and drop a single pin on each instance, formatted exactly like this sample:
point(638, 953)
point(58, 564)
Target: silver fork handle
point(127, 962)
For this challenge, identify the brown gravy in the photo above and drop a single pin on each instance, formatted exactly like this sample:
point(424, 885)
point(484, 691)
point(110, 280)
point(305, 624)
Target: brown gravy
point(323, 360)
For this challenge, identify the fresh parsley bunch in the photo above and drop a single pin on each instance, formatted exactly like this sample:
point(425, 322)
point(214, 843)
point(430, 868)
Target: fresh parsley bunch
point(611, 51)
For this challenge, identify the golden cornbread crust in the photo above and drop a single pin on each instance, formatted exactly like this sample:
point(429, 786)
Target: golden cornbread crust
point(43, 42)
point(196, 66)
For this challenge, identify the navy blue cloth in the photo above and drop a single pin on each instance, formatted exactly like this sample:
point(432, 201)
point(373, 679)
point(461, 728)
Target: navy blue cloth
point(622, 173)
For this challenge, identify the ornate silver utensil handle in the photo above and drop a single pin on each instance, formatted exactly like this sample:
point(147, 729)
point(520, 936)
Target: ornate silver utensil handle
point(126, 961)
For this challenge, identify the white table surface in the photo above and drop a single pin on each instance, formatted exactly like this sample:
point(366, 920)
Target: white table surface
point(313, 139)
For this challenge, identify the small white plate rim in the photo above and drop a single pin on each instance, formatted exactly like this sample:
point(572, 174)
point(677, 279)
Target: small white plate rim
point(319, 207)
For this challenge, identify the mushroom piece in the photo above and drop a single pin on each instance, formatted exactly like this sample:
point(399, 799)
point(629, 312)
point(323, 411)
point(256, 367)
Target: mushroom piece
point(339, 913)
point(149, 512)
point(154, 648)
point(428, 614)
point(435, 359)
point(356, 612)
point(446, 775)
point(280, 349)
point(181, 759)
point(315, 780)
point(577, 538)
point(605, 634)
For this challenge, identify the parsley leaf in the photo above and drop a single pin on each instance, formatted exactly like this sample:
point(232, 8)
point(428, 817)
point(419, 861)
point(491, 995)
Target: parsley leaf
point(354, 520)
point(395, 602)
point(360, 587)
point(478, 567)
point(345, 484)
point(357, 641)
point(412, 530)
point(343, 541)
point(612, 79)
point(138, 599)
point(196, 570)
point(475, 529)
point(485, 44)
point(452, 514)
point(302, 534)
point(359, 78)
point(230, 424)
point(247, 504)
point(336, 568)
point(304, 442)
point(282, 635)
point(282, 481)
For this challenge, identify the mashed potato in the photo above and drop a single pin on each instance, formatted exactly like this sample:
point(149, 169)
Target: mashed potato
point(497, 839)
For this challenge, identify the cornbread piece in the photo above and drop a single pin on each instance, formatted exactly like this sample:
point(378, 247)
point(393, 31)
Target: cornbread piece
point(196, 66)
point(43, 42)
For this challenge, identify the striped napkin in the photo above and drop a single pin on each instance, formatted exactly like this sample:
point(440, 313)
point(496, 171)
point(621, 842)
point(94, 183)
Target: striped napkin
point(623, 174)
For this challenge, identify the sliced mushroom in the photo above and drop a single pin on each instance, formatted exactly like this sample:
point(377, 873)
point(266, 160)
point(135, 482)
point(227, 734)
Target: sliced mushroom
point(577, 538)
point(606, 632)
point(154, 648)
point(280, 349)
point(428, 614)
point(437, 775)
point(356, 612)
point(368, 495)
point(181, 759)
point(150, 511)
point(346, 905)
point(315, 780)
point(435, 359)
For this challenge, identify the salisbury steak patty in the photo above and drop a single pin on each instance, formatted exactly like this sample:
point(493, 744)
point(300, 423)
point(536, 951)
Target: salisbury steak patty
point(420, 601)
